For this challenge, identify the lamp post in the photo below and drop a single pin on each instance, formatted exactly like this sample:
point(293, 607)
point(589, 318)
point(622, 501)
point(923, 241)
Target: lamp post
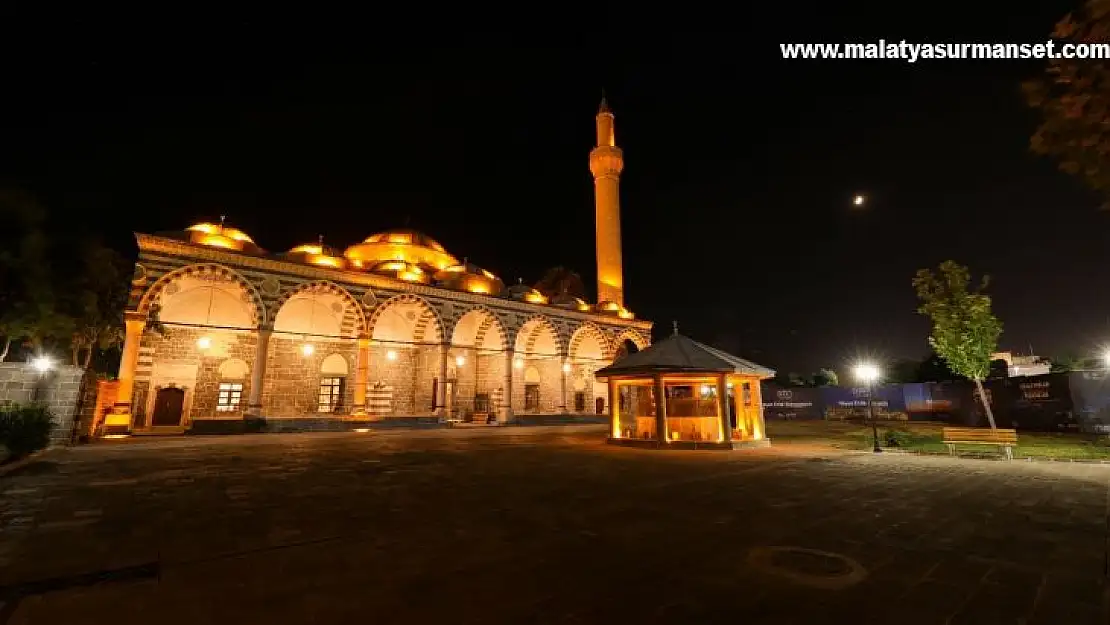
point(868, 373)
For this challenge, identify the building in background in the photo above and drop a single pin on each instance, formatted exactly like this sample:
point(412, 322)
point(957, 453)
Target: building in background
point(1018, 365)
point(222, 335)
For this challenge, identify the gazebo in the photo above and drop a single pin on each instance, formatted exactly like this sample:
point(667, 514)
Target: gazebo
point(711, 399)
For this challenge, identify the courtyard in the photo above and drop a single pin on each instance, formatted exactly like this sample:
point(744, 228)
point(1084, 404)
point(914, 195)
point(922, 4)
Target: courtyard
point(544, 525)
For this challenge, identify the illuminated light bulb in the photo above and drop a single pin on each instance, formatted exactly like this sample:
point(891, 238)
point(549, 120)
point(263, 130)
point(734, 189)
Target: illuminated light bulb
point(308, 349)
point(460, 361)
point(204, 342)
point(391, 355)
point(859, 200)
point(566, 367)
point(42, 364)
point(518, 363)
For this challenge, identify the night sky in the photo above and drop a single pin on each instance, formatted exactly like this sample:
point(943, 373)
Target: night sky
point(740, 166)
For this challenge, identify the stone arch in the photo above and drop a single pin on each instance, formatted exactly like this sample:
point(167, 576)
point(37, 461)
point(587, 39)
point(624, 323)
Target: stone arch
point(489, 322)
point(234, 369)
point(531, 335)
point(426, 319)
point(629, 334)
point(584, 332)
point(334, 364)
point(353, 323)
point(206, 270)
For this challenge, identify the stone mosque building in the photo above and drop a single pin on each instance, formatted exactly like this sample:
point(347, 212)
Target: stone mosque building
point(222, 335)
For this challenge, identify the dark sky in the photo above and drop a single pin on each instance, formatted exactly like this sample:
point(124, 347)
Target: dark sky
point(740, 166)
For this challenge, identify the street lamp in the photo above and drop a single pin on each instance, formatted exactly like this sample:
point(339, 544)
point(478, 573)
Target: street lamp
point(858, 200)
point(868, 373)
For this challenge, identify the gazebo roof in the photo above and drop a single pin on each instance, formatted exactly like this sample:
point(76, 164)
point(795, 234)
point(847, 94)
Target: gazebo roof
point(679, 354)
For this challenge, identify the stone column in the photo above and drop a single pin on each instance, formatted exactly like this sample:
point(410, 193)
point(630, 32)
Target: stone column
point(119, 422)
point(725, 434)
point(614, 410)
point(362, 369)
point(565, 364)
point(660, 411)
point(441, 388)
point(505, 414)
point(258, 372)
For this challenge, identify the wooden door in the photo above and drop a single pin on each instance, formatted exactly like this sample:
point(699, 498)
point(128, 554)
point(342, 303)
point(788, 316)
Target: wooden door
point(168, 405)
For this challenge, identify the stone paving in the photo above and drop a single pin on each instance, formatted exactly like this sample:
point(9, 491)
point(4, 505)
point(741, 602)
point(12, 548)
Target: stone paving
point(544, 525)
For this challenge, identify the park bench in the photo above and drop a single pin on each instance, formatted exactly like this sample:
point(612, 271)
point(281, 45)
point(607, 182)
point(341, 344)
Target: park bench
point(1006, 439)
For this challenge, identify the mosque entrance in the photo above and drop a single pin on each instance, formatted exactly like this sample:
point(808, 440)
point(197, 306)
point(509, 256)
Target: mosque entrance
point(168, 405)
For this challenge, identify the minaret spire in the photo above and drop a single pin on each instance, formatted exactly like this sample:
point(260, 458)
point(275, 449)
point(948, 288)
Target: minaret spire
point(606, 164)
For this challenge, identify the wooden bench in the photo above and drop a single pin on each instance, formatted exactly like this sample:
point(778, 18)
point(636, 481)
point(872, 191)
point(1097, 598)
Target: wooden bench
point(1006, 439)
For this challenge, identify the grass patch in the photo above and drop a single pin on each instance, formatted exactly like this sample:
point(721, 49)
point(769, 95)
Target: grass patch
point(927, 437)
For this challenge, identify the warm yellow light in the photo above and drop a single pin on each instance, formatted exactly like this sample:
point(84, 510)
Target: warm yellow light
point(116, 435)
point(411, 276)
point(460, 361)
point(518, 363)
point(326, 261)
point(675, 436)
point(204, 342)
point(624, 314)
point(391, 355)
point(216, 240)
point(362, 430)
point(403, 239)
point(475, 287)
point(307, 249)
point(308, 349)
point(566, 367)
point(535, 297)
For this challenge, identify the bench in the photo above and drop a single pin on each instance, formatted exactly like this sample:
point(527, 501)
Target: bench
point(1006, 439)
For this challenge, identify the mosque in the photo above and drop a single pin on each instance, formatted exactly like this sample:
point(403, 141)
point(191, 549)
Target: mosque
point(223, 336)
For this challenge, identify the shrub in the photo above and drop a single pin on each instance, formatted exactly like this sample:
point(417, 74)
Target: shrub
point(897, 438)
point(25, 428)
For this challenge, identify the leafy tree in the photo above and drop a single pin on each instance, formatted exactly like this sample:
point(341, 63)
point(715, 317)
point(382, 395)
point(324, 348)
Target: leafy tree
point(825, 377)
point(561, 281)
point(95, 301)
point(1073, 98)
point(965, 331)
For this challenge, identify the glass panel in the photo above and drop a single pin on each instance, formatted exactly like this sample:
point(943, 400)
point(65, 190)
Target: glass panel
point(692, 411)
point(636, 410)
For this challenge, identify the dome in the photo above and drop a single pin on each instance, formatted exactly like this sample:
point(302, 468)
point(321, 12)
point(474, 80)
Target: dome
point(613, 308)
point(400, 244)
point(400, 270)
point(469, 277)
point(570, 302)
point(318, 254)
point(220, 235)
point(524, 293)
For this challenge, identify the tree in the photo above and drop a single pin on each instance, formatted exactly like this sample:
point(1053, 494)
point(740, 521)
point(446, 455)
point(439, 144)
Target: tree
point(27, 303)
point(1073, 98)
point(95, 301)
point(825, 377)
point(561, 281)
point(965, 331)
point(935, 369)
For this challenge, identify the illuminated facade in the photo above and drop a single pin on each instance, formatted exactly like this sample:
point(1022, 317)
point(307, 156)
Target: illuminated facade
point(222, 335)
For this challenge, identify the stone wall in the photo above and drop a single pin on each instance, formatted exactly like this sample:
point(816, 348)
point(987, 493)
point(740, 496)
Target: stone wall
point(292, 382)
point(550, 380)
point(178, 360)
point(59, 389)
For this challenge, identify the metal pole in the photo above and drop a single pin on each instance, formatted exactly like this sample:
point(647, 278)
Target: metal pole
point(871, 413)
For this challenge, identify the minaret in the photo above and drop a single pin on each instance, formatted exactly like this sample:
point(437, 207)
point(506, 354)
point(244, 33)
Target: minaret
point(606, 163)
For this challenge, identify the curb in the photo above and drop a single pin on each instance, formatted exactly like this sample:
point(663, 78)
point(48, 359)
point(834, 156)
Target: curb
point(911, 452)
point(22, 462)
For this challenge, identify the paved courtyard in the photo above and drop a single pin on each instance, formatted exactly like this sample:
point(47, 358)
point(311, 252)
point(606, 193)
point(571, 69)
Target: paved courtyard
point(544, 525)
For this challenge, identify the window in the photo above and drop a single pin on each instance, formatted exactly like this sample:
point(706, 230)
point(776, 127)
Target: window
point(747, 388)
point(531, 396)
point(230, 394)
point(331, 395)
point(580, 402)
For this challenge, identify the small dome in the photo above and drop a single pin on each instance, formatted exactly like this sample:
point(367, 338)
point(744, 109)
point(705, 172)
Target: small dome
point(220, 235)
point(524, 293)
point(570, 302)
point(401, 244)
point(615, 309)
point(469, 277)
point(318, 254)
point(400, 270)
